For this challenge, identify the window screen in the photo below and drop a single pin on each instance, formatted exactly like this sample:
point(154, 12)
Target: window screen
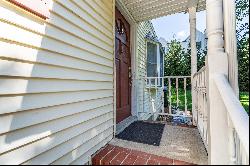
point(152, 60)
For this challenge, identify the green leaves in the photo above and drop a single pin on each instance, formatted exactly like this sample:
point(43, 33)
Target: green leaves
point(243, 58)
point(242, 12)
point(178, 62)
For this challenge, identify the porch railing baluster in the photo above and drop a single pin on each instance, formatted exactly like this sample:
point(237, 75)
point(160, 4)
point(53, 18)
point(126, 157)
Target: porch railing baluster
point(169, 96)
point(185, 91)
point(177, 92)
point(201, 103)
point(157, 84)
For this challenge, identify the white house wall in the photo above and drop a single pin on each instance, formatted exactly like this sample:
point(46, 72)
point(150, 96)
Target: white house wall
point(144, 105)
point(56, 82)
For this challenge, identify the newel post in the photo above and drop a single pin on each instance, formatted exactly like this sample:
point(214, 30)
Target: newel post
point(218, 149)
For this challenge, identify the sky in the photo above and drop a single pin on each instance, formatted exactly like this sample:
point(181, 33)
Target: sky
point(178, 25)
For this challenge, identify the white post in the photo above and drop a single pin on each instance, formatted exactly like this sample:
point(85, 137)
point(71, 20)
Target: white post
point(158, 60)
point(218, 149)
point(170, 96)
point(185, 94)
point(192, 21)
point(231, 42)
point(177, 92)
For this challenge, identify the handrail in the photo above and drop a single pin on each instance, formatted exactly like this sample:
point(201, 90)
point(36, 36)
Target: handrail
point(200, 103)
point(166, 77)
point(200, 71)
point(236, 112)
point(159, 84)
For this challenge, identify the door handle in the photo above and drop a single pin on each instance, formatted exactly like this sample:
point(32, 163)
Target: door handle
point(130, 76)
point(129, 73)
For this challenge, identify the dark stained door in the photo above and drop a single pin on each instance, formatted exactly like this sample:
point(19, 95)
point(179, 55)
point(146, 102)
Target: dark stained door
point(123, 67)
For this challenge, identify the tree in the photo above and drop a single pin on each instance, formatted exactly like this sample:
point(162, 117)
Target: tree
point(176, 63)
point(242, 12)
point(243, 58)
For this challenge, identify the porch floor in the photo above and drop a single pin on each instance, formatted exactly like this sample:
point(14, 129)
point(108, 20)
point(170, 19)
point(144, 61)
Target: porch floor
point(178, 143)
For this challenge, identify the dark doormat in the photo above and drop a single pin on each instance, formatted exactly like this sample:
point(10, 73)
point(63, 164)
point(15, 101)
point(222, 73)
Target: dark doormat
point(143, 132)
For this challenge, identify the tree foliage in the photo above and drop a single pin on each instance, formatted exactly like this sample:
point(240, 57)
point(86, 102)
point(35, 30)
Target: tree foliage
point(243, 58)
point(178, 61)
point(242, 12)
point(176, 64)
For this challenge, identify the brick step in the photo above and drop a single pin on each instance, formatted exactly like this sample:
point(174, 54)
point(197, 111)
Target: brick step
point(114, 155)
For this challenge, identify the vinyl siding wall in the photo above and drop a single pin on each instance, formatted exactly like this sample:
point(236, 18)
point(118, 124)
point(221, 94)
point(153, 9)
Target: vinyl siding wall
point(56, 82)
point(144, 105)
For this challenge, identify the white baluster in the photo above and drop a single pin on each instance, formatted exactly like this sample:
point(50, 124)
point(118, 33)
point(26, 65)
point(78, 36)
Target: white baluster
point(162, 84)
point(170, 95)
point(185, 91)
point(177, 92)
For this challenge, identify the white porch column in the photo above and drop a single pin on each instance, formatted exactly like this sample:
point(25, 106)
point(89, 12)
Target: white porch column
point(192, 21)
point(231, 42)
point(218, 149)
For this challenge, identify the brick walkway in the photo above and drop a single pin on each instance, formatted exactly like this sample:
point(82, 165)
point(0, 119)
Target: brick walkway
point(114, 155)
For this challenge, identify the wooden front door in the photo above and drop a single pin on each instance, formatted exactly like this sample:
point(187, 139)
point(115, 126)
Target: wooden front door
point(123, 67)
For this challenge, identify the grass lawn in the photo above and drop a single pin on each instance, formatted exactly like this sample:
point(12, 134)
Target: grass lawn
point(182, 99)
point(244, 99)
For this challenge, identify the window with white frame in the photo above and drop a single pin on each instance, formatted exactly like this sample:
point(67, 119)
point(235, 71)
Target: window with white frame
point(155, 62)
point(152, 67)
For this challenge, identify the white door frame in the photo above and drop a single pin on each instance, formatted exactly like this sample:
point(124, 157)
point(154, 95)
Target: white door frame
point(133, 52)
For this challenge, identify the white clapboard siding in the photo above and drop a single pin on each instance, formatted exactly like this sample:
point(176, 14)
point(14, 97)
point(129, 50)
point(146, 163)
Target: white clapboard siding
point(84, 158)
point(25, 85)
point(12, 51)
point(57, 153)
point(56, 82)
point(51, 141)
point(143, 98)
point(43, 128)
point(11, 104)
point(32, 117)
point(24, 69)
point(54, 34)
point(80, 151)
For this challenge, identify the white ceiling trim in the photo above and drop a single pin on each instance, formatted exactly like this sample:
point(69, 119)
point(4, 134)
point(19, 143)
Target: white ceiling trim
point(144, 10)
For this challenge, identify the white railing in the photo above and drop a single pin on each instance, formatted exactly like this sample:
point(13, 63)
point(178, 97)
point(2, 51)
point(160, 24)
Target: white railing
point(154, 95)
point(166, 83)
point(238, 122)
point(201, 103)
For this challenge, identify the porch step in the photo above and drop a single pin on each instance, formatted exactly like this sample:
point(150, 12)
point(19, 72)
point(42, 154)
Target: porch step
point(115, 155)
